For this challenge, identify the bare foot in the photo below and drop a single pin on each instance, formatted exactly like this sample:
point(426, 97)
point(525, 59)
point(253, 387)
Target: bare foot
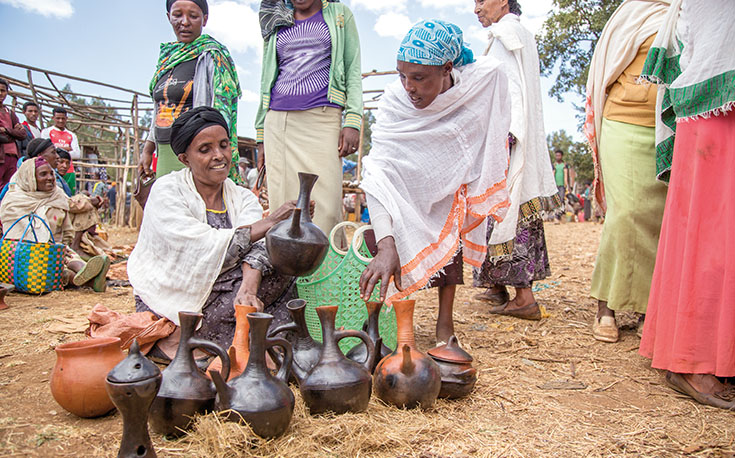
point(603, 310)
point(704, 383)
point(524, 297)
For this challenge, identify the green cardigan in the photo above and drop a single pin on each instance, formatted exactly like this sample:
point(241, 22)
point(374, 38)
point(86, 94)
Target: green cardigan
point(345, 74)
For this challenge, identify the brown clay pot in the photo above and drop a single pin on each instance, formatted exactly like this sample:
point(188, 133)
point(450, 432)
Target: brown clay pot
point(239, 351)
point(132, 386)
point(359, 352)
point(458, 375)
point(257, 397)
point(185, 390)
point(296, 246)
point(337, 384)
point(306, 351)
point(78, 378)
point(407, 378)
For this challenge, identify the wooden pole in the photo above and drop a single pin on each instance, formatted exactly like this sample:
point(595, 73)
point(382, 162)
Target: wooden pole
point(136, 210)
point(124, 188)
point(35, 98)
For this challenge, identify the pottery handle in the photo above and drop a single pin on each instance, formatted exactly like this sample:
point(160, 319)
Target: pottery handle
point(283, 328)
point(213, 348)
point(285, 368)
point(339, 335)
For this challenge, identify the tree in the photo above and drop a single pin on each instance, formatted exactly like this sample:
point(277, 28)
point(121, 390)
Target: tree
point(576, 155)
point(99, 111)
point(567, 42)
point(368, 119)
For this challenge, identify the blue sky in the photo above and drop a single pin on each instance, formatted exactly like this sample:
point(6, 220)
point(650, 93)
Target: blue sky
point(117, 42)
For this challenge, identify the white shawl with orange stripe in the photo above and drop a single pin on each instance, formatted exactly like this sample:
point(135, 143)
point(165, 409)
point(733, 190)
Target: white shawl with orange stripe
point(441, 171)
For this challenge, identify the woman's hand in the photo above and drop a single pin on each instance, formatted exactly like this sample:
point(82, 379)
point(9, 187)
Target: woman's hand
point(146, 160)
point(282, 213)
point(261, 156)
point(385, 265)
point(248, 292)
point(349, 141)
point(247, 298)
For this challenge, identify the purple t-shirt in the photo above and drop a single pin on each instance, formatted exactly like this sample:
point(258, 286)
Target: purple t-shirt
point(304, 57)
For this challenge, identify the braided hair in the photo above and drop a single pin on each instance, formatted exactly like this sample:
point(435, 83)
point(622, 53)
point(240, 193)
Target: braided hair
point(515, 8)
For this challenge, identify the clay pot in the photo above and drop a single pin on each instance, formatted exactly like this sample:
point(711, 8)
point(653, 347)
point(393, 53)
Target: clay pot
point(132, 386)
point(78, 378)
point(3, 293)
point(239, 350)
point(306, 351)
point(407, 378)
point(185, 390)
point(458, 375)
point(359, 352)
point(297, 246)
point(256, 397)
point(337, 384)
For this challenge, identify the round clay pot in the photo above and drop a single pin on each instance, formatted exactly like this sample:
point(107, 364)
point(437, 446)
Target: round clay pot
point(80, 374)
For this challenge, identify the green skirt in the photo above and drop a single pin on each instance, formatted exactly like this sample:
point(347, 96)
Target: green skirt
point(635, 207)
point(167, 160)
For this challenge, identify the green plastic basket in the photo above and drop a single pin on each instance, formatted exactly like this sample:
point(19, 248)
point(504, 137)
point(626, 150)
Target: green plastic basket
point(336, 282)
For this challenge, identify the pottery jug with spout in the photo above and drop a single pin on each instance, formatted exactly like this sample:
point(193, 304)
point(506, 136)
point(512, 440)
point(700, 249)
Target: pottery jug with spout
point(359, 352)
point(296, 246)
point(132, 386)
point(239, 351)
point(337, 384)
point(257, 397)
point(458, 375)
point(185, 390)
point(306, 351)
point(407, 378)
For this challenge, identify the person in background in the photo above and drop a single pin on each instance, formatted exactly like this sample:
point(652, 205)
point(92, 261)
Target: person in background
point(561, 174)
point(31, 112)
point(620, 126)
point(63, 167)
point(248, 173)
point(62, 137)
point(112, 197)
point(311, 100)
point(195, 70)
point(11, 131)
point(690, 320)
point(517, 254)
point(437, 167)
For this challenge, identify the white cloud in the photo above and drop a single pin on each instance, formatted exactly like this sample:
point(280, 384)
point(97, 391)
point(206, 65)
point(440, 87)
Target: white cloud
point(463, 4)
point(249, 96)
point(476, 32)
point(235, 23)
point(380, 5)
point(394, 25)
point(57, 8)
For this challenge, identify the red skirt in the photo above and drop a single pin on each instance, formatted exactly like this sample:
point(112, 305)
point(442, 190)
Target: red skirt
point(690, 322)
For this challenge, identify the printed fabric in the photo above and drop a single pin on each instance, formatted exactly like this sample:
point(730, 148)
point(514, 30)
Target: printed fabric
point(435, 42)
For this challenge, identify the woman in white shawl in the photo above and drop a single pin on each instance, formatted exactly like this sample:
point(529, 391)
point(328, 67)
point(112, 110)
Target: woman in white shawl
point(199, 248)
point(517, 253)
point(437, 167)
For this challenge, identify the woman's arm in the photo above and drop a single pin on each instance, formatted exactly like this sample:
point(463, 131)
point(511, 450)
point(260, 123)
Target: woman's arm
point(349, 139)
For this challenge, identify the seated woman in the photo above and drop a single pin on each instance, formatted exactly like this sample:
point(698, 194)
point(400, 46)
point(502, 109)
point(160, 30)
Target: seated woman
point(437, 167)
point(33, 189)
point(200, 247)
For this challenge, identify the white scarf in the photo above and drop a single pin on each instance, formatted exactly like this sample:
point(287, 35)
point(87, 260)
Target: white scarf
point(530, 174)
point(178, 255)
point(441, 171)
point(627, 29)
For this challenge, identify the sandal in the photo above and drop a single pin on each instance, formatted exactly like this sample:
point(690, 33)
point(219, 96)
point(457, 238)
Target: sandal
point(93, 267)
point(99, 284)
point(605, 329)
point(723, 399)
point(494, 298)
point(528, 312)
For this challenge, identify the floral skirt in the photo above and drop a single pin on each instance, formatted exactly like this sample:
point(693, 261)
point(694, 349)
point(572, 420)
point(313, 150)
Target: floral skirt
point(529, 261)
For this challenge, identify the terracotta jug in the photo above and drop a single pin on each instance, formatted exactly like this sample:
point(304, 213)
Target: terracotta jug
point(359, 352)
point(337, 384)
point(458, 375)
point(78, 378)
point(306, 351)
point(239, 351)
point(185, 390)
point(132, 386)
point(297, 246)
point(407, 378)
point(260, 399)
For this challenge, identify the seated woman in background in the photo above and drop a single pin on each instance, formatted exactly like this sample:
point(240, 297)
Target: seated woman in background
point(33, 189)
point(200, 247)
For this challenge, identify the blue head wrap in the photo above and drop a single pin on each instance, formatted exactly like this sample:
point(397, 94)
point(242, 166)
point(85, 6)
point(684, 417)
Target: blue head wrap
point(435, 42)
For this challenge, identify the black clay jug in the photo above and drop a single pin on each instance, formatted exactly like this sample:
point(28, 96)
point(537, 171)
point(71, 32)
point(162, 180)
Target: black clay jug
point(359, 352)
point(297, 246)
point(306, 351)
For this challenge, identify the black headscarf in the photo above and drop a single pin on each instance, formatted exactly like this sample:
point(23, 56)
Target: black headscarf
point(200, 3)
point(37, 146)
point(189, 124)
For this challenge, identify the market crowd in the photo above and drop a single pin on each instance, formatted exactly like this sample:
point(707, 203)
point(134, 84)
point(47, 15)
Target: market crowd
point(459, 172)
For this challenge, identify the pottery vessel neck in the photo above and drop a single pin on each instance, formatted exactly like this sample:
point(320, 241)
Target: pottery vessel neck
point(404, 318)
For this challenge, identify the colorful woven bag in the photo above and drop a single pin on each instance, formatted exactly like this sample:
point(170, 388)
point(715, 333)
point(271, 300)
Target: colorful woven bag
point(33, 267)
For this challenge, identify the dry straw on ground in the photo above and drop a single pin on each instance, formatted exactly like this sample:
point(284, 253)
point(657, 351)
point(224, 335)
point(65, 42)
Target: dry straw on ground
point(545, 388)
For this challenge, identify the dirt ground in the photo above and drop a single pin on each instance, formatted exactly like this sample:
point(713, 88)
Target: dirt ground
point(545, 388)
